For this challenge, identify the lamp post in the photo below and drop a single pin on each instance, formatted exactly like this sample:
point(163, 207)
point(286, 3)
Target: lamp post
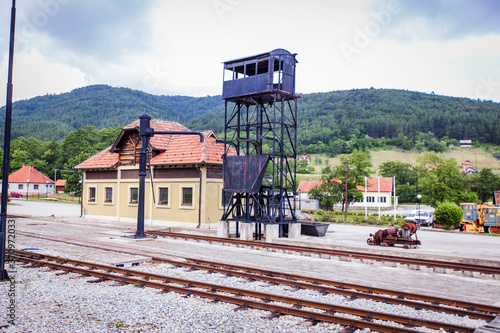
point(300, 201)
point(27, 189)
point(419, 196)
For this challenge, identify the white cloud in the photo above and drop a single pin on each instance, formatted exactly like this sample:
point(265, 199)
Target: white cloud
point(33, 75)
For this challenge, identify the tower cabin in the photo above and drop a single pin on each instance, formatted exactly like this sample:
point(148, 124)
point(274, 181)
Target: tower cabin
point(262, 74)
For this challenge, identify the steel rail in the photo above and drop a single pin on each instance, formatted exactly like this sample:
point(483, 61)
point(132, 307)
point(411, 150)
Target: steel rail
point(315, 281)
point(338, 290)
point(456, 266)
point(363, 289)
point(297, 304)
point(341, 290)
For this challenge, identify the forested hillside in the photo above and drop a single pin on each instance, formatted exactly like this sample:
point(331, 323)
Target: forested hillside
point(323, 117)
point(386, 113)
point(52, 117)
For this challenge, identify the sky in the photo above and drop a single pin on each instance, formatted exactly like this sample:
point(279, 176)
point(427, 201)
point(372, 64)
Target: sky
point(176, 47)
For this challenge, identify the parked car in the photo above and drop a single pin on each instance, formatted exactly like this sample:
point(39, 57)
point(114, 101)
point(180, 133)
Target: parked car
point(422, 217)
point(16, 195)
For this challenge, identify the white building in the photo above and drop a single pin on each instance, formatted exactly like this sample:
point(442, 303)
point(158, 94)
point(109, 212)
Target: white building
point(30, 181)
point(372, 196)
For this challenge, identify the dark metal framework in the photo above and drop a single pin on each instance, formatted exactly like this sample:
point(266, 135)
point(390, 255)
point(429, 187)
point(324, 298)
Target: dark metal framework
point(260, 107)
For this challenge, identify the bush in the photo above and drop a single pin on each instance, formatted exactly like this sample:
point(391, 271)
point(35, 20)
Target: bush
point(359, 218)
point(449, 215)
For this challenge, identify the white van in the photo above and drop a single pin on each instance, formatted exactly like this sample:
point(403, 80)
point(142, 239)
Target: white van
point(422, 217)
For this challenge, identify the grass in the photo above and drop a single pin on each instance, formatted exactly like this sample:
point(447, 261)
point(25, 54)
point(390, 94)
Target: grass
point(479, 158)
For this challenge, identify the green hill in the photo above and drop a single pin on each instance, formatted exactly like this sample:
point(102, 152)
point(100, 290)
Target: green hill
point(323, 117)
point(52, 117)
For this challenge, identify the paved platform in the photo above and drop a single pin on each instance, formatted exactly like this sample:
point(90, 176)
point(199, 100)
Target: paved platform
point(435, 243)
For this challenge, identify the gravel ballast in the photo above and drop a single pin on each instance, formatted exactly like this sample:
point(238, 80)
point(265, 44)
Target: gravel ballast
point(46, 302)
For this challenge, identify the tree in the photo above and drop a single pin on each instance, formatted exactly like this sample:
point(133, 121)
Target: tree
point(406, 192)
point(303, 168)
point(326, 170)
point(449, 215)
point(406, 177)
point(405, 173)
point(349, 174)
point(441, 180)
point(484, 183)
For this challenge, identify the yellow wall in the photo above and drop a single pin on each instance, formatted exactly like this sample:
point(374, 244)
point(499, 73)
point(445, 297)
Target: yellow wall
point(122, 209)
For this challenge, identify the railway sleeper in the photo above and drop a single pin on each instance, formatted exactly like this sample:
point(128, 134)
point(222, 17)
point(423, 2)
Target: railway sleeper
point(101, 279)
point(350, 329)
point(119, 284)
point(272, 315)
point(243, 306)
point(309, 322)
point(81, 276)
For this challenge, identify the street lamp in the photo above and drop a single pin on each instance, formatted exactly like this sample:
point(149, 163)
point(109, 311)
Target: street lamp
point(300, 200)
point(419, 196)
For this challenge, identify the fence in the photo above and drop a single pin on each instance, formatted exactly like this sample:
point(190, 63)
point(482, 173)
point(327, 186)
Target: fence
point(55, 197)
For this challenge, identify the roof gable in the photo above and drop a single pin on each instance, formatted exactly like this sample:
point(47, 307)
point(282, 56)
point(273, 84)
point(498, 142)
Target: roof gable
point(158, 142)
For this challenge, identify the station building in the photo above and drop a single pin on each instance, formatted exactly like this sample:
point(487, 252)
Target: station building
point(183, 182)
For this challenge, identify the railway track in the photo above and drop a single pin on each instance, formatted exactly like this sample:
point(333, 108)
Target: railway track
point(352, 318)
point(453, 266)
point(432, 303)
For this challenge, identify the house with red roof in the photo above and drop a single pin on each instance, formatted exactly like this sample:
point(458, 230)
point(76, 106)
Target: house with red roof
point(183, 182)
point(306, 158)
point(30, 181)
point(372, 197)
point(60, 185)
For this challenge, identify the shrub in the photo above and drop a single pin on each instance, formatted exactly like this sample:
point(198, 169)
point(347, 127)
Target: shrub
point(449, 215)
point(320, 212)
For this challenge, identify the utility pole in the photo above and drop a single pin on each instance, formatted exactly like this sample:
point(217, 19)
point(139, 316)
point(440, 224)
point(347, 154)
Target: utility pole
point(6, 146)
point(345, 197)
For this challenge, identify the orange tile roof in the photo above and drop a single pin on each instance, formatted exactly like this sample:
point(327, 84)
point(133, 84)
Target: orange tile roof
point(102, 160)
point(28, 174)
point(306, 185)
point(61, 182)
point(172, 149)
point(187, 149)
point(372, 185)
